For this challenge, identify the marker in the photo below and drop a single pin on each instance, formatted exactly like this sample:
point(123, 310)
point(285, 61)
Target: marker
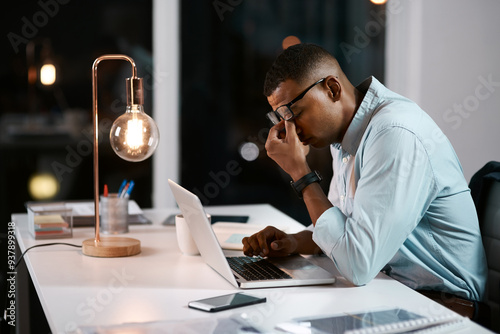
point(129, 189)
point(121, 187)
point(105, 193)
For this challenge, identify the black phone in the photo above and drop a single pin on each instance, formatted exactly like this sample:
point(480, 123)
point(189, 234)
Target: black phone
point(216, 218)
point(227, 218)
point(225, 302)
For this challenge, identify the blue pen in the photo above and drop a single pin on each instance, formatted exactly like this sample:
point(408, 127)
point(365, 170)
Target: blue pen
point(129, 190)
point(121, 187)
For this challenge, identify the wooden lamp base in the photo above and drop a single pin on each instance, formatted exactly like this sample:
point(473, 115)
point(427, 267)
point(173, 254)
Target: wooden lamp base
point(111, 247)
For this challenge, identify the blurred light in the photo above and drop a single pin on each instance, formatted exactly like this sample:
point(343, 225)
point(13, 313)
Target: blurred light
point(43, 186)
point(32, 75)
point(378, 2)
point(249, 151)
point(289, 41)
point(48, 74)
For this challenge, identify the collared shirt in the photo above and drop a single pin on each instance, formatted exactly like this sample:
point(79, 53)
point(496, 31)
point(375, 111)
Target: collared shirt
point(401, 202)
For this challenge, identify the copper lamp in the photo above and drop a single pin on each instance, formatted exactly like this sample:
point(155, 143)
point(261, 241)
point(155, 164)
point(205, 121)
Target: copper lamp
point(134, 136)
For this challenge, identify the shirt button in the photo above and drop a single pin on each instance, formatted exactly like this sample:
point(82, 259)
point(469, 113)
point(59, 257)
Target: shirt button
point(342, 197)
point(344, 160)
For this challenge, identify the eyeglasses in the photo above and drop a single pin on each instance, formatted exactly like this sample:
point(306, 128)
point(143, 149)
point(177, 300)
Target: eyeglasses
point(285, 112)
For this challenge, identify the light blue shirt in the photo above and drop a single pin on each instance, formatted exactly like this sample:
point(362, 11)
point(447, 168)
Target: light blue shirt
point(401, 202)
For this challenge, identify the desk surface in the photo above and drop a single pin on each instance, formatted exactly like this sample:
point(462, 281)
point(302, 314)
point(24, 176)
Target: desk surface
point(156, 285)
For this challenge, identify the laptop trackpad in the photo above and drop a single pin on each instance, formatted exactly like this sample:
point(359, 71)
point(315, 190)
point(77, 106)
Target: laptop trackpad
point(299, 267)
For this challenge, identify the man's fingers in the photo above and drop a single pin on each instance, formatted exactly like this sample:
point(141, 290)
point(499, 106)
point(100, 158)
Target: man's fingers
point(260, 242)
point(249, 246)
point(292, 133)
point(276, 245)
point(255, 244)
point(263, 246)
point(281, 245)
point(290, 127)
point(246, 245)
point(276, 129)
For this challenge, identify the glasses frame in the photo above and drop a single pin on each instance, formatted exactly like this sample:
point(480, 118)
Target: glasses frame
point(279, 117)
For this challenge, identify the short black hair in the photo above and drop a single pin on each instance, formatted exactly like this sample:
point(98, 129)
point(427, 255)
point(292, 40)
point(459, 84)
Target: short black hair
point(296, 62)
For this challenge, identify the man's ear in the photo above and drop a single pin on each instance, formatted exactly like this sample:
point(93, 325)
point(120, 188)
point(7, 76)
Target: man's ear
point(335, 88)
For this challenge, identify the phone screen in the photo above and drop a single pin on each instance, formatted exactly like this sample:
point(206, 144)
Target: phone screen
point(225, 302)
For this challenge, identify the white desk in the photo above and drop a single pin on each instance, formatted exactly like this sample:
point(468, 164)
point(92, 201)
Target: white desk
point(156, 285)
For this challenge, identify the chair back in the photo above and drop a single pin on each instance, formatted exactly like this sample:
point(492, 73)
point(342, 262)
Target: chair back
point(490, 230)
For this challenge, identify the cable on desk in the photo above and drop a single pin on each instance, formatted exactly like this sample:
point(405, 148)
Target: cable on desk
point(41, 245)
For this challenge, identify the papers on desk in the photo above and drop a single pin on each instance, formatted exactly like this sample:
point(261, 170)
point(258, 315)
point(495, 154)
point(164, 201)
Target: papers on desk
point(211, 325)
point(47, 221)
point(49, 224)
point(375, 322)
point(83, 213)
point(231, 234)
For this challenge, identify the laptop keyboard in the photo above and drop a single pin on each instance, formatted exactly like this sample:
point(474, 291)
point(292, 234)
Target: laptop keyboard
point(255, 268)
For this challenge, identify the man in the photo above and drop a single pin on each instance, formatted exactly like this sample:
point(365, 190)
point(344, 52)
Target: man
point(398, 200)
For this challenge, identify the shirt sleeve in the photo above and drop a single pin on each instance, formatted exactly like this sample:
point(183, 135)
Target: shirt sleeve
point(395, 187)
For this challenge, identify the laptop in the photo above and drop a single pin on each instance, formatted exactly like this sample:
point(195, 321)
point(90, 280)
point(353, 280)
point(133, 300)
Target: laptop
point(239, 270)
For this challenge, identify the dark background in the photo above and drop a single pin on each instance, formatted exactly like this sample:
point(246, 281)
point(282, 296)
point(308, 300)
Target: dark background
point(30, 139)
point(225, 53)
point(225, 56)
point(226, 49)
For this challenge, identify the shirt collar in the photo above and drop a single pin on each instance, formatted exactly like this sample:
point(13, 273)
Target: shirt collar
point(359, 123)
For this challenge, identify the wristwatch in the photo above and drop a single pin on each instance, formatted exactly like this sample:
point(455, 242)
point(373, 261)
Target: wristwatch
point(304, 181)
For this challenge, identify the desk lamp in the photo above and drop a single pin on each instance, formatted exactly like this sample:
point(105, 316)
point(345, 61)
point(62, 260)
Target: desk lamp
point(134, 137)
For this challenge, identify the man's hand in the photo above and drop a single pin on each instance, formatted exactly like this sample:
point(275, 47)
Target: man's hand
point(287, 150)
point(269, 242)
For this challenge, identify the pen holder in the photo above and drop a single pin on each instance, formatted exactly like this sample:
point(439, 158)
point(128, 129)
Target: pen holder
point(114, 214)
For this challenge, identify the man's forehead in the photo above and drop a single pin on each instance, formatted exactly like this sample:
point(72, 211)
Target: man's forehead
point(284, 93)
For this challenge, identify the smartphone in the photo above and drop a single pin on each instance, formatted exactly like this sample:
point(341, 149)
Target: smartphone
point(216, 218)
point(226, 218)
point(225, 302)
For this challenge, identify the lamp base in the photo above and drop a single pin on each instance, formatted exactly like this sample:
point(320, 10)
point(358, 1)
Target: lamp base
point(111, 247)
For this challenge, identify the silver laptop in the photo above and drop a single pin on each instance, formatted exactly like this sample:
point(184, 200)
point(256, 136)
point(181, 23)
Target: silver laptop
point(291, 270)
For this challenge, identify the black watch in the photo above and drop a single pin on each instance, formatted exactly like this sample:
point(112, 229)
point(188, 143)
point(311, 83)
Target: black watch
point(305, 181)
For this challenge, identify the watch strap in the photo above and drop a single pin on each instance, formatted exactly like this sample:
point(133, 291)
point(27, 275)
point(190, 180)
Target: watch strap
point(304, 181)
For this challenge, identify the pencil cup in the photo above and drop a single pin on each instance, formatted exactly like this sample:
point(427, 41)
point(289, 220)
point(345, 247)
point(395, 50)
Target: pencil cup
point(184, 238)
point(114, 214)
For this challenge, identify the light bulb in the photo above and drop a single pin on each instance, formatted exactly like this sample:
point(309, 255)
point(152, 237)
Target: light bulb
point(134, 135)
point(48, 74)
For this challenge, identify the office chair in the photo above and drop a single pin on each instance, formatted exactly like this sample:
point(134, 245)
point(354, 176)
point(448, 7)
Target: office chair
point(485, 190)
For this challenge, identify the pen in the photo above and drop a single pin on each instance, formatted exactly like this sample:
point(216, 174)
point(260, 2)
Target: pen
point(122, 193)
point(121, 187)
point(129, 189)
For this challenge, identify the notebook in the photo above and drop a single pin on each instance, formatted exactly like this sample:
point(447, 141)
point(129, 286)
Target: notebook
point(294, 270)
point(376, 322)
point(230, 234)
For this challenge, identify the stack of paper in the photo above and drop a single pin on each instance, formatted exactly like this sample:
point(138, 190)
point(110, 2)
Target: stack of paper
point(49, 224)
point(50, 220)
